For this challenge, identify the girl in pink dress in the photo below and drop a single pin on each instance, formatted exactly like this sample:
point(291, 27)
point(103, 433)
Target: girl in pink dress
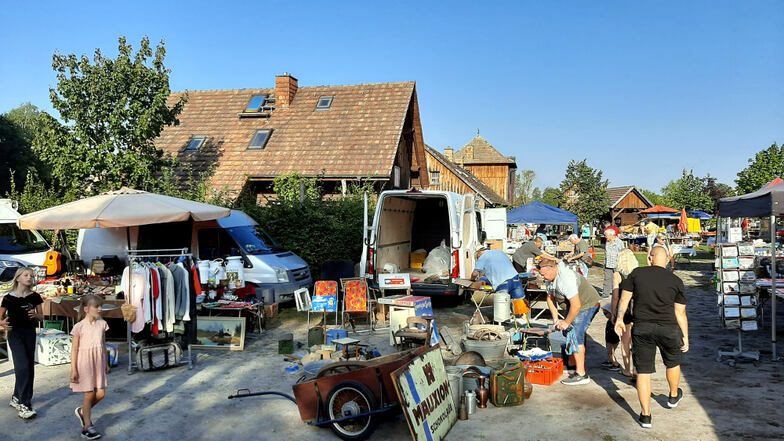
point(88, 362)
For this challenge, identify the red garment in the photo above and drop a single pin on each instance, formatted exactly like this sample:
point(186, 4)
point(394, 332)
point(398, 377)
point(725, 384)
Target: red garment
point(196, 281)
point(156, 292)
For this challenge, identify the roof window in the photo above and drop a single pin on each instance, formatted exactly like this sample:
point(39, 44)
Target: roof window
point(324, 102)
point(435, 177)
point(259, 103)
point(194, 143)
point(260, 138)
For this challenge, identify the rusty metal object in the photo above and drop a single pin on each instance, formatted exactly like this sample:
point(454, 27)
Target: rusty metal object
point(340, 367)
point(472, 358)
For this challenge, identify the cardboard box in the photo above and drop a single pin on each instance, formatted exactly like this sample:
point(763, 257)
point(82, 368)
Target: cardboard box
point(271, 310)
point(416, 260)
point(496, 244)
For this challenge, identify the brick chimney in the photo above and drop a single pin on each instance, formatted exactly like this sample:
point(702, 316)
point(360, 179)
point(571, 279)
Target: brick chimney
point(285, 89)
point(449, 152)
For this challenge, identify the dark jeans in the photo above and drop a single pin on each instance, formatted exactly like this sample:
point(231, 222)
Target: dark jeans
point(21, 342)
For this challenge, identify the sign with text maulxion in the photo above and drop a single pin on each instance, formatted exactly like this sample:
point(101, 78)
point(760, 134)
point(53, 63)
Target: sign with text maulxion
point(423, 390)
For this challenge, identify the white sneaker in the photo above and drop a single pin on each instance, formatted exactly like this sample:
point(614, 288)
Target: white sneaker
point(25, 412)
point(15, 403)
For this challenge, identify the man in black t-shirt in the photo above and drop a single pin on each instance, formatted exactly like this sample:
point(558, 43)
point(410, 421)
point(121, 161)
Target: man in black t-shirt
point(659, 321)
point(529, 250)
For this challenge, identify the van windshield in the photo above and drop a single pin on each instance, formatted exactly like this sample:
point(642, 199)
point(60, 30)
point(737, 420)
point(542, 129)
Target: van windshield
point(253, 239)
point(14, 240)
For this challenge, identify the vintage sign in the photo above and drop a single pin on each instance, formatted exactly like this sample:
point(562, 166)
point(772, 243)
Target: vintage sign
point(328, 303)
point(423, 390)
point(394, 281)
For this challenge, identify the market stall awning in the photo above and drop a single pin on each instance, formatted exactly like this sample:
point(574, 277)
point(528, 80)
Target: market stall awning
point(121, 208)
point(696, 214)
point(537, 212)
point(659, 209)
point(767, 201)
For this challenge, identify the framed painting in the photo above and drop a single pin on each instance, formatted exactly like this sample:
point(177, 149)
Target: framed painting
point(220, 333)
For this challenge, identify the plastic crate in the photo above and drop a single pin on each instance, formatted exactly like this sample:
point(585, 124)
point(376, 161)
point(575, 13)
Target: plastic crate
point(545, 372)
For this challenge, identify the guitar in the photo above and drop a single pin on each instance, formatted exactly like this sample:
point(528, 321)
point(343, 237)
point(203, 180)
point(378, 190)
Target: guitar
point(53, 260)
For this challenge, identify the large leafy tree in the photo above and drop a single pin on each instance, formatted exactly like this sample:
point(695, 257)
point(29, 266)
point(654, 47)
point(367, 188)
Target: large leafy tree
point(524, 187)
point(765, 166)
point(18, 128)
point(551, 196)
point(113, 109)
point(715, 190)
point(687, 192)
point(584, 191)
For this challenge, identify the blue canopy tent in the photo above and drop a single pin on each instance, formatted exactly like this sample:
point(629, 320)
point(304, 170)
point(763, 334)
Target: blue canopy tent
point(537, 212)
point(701, 215)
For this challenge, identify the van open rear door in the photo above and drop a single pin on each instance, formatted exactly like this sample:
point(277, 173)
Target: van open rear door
point(470, 235)
point(365, 259)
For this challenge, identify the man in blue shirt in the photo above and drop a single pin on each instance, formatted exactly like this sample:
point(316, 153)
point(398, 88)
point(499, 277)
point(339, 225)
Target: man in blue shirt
point(499, 271)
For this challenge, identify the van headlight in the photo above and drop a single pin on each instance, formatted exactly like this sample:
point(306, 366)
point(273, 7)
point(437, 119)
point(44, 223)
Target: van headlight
point(282, 274)
point(10, 264)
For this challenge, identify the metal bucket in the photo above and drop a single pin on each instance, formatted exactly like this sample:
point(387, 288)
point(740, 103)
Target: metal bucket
point(501, 309)
point(490, 350)
point(455, 384)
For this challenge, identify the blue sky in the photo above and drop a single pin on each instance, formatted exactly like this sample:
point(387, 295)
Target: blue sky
point(642, 89)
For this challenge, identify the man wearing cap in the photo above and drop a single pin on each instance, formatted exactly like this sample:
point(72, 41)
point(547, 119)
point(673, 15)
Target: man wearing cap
point(499, 271)
point(566, 286)
point(529, 250)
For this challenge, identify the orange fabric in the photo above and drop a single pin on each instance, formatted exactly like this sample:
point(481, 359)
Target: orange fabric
point(326, 288)
point(356, 296)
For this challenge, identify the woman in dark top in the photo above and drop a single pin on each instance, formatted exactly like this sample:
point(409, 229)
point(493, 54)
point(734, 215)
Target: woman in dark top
point(19, 311)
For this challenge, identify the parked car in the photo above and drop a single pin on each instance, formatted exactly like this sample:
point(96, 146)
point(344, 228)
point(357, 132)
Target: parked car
point(267, 265)
point(410, 220)
point(18, 247)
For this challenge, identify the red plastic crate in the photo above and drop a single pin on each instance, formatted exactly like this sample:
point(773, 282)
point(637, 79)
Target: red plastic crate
point(545, 372)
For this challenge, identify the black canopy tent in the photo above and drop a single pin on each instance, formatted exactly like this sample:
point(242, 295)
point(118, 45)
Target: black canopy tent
point(768, 201)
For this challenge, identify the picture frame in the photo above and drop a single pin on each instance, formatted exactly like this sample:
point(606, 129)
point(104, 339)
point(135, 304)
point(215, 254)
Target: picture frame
point(302, 299)
point(227, 333)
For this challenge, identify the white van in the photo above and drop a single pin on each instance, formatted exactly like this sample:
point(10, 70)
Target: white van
point(411, 220)
point(267, 266)
point(17, 247)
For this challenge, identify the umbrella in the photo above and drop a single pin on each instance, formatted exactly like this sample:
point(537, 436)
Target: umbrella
point(125, 207)
point(683, 225)
point(658, 209)
point(696, 214)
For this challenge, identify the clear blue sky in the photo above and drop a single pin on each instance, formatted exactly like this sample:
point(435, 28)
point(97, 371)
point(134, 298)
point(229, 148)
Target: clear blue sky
point(642, 89)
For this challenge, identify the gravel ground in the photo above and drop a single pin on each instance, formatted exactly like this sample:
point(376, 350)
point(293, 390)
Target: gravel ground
point(723, 400)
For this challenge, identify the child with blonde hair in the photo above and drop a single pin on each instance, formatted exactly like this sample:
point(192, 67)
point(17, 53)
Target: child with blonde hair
point(89, 366)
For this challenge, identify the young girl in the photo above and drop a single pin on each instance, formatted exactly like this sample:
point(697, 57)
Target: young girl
point(88, 362)
point(22, 305)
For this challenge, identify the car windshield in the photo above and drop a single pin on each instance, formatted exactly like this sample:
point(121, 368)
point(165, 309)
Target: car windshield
point(14, 240)
point(253, 239)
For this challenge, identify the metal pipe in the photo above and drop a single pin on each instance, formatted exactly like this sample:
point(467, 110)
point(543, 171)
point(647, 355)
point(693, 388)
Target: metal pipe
point(256, 394)
point(773, 278)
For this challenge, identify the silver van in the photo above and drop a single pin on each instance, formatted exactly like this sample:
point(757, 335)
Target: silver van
point(17, 247)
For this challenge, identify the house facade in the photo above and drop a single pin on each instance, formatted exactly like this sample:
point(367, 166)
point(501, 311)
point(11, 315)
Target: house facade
point(489, 165)
point(625, 203)
point(244, 138)
point(447, 175)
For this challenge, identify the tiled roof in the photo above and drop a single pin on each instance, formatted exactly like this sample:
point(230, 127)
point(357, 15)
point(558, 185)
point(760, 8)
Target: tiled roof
point(479, 151)
point(357, 137)
point(616, 194)
point(464, 175)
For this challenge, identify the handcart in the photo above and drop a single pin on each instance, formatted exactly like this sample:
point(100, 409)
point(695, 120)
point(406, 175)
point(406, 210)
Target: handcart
point(348, 395)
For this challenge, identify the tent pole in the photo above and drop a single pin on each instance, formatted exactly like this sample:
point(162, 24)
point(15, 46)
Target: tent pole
point(773, 278)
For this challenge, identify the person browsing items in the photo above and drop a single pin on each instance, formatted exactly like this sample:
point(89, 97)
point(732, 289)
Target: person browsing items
point(612, 247)
point(530, 250)
point(660, 321)
point(565, 285)
point(580, 253)
point(498, 271)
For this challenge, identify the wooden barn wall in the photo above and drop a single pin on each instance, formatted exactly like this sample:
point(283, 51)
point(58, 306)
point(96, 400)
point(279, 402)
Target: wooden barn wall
point(494, 176)
point(631, 201)
point(449, 181)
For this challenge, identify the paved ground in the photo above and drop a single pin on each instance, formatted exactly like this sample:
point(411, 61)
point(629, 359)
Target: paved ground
point(743, 401)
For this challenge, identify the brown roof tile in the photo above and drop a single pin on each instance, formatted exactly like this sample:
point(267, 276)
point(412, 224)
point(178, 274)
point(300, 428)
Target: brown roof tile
point(479, 151)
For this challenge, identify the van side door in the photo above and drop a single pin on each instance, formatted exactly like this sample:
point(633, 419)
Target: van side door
point(470, 242)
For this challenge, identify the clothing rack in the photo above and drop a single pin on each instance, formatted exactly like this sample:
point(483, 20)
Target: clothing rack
point(135, 256)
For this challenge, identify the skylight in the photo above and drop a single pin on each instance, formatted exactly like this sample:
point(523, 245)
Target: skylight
point(324, 102)
point(195, 143)
point(256, 102)
point(260, 139)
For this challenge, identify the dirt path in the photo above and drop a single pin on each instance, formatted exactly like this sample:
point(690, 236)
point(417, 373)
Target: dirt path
point(723, 402)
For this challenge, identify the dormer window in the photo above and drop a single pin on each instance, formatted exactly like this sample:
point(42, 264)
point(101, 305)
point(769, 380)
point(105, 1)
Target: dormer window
point(435, 177)
point(259, 140)
point(257, 103)
point(324, 102)
point(195, 143)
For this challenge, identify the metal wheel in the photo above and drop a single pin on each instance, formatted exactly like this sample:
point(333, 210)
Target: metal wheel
point(349, 398)
point(340, 367)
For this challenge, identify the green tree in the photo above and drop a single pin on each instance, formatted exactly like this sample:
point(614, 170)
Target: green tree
point(715, 190)
point(295, 187)
point(113, 109)
point(524, 187)
point(551, 196)
point(765, 166)
point(654, 198)
point(584, 191)
point(687, 192)
point(536, 194)
point(18, 128)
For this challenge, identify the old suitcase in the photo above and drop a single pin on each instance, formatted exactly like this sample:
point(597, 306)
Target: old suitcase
point(158, 356)
point(507, 384)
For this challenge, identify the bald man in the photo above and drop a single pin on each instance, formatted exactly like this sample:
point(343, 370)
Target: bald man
point(659, 312)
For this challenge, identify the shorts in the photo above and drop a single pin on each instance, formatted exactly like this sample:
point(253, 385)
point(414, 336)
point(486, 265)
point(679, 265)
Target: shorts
point(513, 287)
point(646, 337)
point(582, 322)
point(610, 337)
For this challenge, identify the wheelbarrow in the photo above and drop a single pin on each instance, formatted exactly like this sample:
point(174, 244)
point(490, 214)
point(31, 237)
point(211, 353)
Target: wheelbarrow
point(348, 396)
